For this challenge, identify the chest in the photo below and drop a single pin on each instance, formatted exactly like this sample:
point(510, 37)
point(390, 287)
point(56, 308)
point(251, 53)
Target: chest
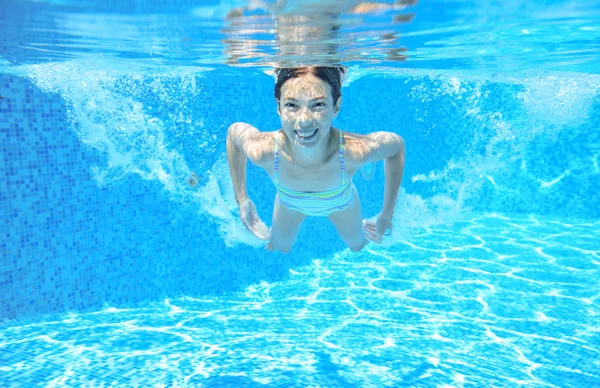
point(318, 177)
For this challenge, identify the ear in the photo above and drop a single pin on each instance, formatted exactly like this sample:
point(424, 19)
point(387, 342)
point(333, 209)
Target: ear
point(338, 106)
point(278, 108)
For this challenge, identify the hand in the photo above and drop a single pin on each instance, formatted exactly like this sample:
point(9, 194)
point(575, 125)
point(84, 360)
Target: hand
point(374, 231)
point(271, 246)
point(250, 218)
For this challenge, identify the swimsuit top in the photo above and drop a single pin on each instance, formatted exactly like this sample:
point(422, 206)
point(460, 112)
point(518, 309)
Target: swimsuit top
point(315, 203)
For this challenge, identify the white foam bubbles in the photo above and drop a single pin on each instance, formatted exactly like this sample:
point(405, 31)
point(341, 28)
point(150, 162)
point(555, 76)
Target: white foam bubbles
point(560, 99)
point(106, 108)
point(119, 127)
point(218, 201)
point(494, 144)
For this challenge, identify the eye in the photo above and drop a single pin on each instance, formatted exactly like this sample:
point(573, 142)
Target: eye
point(289, 105)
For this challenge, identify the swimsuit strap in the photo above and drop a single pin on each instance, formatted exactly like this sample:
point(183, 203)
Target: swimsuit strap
point(276, 160)
point(342, 159)
point(343, 165)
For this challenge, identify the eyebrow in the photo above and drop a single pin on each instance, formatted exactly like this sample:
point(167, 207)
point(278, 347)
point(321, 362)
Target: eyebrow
point(316, 98)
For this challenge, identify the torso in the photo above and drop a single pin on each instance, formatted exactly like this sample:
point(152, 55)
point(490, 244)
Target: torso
point(311, 178)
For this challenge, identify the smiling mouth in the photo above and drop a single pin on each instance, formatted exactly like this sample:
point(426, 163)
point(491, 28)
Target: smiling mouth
point(306, 135)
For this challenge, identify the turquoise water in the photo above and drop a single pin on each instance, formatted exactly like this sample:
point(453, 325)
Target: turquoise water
point(491, 301)
point(114, 271)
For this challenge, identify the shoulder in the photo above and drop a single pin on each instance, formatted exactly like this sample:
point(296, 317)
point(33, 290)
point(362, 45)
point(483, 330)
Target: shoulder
point(258, 146)
point(373, 146)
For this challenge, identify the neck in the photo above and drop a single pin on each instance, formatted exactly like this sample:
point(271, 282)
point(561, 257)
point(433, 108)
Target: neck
point(313, 156)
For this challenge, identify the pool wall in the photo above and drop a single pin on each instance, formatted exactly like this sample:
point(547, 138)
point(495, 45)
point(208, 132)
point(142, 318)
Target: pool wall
point(68, 244)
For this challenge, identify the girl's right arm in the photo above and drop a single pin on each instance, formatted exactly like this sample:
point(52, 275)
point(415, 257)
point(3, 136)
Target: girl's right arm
point(243, 142)
point(237, 160)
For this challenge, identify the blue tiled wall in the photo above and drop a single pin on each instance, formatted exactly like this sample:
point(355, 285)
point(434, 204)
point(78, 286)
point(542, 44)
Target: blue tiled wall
point(68, 244)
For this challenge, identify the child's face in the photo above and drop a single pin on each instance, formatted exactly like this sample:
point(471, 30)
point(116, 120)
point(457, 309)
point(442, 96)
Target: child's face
point(306, 109)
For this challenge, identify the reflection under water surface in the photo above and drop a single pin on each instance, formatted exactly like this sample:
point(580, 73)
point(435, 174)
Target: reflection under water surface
point(435, 34)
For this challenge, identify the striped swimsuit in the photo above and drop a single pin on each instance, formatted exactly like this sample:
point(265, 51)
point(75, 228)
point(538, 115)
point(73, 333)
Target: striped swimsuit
point(315, 203)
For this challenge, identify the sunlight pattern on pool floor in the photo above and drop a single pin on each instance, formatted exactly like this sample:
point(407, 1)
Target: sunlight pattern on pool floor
point(494, 301)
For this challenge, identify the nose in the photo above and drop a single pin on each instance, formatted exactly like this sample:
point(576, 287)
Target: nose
point(305, 119)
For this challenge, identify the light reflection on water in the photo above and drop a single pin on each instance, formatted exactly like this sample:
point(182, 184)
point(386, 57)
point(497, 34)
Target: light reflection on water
point(450, 34)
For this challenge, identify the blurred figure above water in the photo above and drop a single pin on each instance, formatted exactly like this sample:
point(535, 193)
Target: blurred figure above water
point(310, 32)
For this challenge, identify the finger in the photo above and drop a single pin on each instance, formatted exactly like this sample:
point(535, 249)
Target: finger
point(370, 228)
point(260, 230)
point(378, 236)
point(369, 225)
point(373, 238)
point(257, 232)
point(371, 235)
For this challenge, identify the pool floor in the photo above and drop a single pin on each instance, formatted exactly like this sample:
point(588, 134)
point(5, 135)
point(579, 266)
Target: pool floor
point(494, 301)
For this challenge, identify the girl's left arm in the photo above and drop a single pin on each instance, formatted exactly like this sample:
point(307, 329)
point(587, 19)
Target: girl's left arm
point(389, 147)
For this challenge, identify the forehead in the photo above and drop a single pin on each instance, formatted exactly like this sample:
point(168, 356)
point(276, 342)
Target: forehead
point(306, 86)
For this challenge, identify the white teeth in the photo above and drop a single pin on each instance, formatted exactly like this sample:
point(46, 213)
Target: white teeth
point(306, 134)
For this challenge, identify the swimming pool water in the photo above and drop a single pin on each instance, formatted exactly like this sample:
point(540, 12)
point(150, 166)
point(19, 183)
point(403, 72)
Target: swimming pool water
point(115, 272)
point(492, 301)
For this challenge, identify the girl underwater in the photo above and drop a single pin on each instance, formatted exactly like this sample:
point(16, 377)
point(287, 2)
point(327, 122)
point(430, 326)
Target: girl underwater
point(312, 163)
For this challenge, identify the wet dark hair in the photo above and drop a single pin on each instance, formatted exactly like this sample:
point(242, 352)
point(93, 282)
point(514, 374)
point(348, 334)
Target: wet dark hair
point(331, 75)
